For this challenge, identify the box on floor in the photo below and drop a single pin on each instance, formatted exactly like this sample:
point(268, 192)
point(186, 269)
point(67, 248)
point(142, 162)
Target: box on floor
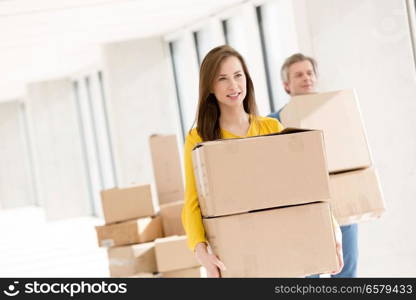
point(166, 168)
point(122, 204)
point(130, 232)
point(133, 259)
point(171, 218)
point(173, 254)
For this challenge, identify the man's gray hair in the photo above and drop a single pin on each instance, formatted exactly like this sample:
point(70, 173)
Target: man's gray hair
point(298, 57)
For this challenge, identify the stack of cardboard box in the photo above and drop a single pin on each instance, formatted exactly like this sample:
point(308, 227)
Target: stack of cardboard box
point(174, 258)
point(131, 226)
point(142, 241)
point(166, 168)
point(264, 204)
point(355, 189)
point(172, 254)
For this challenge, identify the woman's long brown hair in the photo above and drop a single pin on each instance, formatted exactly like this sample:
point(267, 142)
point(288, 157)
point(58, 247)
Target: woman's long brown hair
point(208, 115)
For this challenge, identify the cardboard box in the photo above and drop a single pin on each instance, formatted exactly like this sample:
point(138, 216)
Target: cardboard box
point(172, 254)
point(145, 275)
point(293, 241)
point(171, 218)
point(185, 273)
point(130, 260)
point(130, 232)
point(356, 196)
point(122, 204)
point(338, 115)
point(241, 175)
point(166, 168)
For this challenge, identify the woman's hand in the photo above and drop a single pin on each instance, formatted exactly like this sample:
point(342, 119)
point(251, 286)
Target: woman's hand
point(338, 241)
point(209, 260)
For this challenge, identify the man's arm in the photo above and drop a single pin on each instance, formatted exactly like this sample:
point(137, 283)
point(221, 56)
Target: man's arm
point(276, 115)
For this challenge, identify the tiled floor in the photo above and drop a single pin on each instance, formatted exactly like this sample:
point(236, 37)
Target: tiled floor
point(32, 247)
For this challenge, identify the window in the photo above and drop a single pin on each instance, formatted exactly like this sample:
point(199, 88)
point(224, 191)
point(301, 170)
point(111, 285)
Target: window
point(224, 26)
point(204, 40)
point(105, 142)
point(29, 149)
point(95, 135)
point(185, 73)
point(234, 34)
point(177, 89)
point(79, 99)
point(278, 40)
point(265, 58)
point(197, 47)
point(187, 50)
point(411, 12)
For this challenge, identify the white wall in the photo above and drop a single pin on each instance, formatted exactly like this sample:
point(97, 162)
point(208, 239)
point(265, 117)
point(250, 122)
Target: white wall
point(366, 45)
point(187, 73)
point(63, 190)
point(282, 41)
point(15, 182)
point(254, 58)
point(141, 102)
point(244, 37)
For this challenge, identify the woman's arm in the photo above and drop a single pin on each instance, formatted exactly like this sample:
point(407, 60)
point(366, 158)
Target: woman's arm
point(192, 219)
point(191, 213)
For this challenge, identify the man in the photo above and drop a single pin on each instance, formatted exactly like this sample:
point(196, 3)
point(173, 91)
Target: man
point(299, 76)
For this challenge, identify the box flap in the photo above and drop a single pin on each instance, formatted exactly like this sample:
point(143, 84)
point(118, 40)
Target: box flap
point(288, 130)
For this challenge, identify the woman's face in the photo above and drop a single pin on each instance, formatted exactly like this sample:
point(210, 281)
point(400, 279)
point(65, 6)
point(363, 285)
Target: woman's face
point(229, 86)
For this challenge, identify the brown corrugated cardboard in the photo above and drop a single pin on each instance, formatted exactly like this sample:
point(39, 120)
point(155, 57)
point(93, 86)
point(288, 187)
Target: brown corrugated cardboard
point(122, 204)
point(338, 115)
point(166, 168)
point(171, 218)
point(184, 273)
point(285, 242)
point(173, 254)
point(130, 232)
point(356, 196)
point(240, 175)
point(145, 275)
point(130, 260)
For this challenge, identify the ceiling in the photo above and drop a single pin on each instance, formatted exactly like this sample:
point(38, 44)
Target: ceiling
point(53, 38)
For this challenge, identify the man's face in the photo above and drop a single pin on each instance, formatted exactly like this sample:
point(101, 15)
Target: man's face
point(301, 78)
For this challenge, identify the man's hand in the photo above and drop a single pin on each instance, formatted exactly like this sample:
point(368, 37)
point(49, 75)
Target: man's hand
point(338, 240)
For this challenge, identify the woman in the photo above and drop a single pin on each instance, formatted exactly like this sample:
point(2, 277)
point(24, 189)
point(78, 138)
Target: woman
point(226, 109)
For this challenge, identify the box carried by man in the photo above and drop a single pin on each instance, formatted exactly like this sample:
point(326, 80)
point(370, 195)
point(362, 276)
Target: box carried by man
point(356, 196)
point(338, 115)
